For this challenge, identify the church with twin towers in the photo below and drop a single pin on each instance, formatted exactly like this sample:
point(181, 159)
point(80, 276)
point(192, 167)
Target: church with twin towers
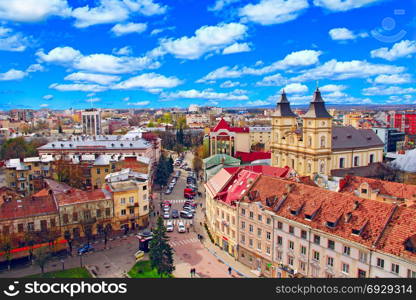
point(312, 145)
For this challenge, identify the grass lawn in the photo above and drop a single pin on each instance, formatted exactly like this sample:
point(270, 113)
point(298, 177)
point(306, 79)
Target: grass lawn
point(70, 273)
point(142, 269)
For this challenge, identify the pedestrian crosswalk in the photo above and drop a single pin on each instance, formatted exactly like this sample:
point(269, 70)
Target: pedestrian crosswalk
point(183, 242)
point(178, 201)
point(176, 221)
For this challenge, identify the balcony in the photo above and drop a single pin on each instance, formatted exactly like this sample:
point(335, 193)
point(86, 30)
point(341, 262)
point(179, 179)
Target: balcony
point(21, 178)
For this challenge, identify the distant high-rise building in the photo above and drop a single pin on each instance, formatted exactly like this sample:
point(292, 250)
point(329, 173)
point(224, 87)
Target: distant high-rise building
point(91, 122)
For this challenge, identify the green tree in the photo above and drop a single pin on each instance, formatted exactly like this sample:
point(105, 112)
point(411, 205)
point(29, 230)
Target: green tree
point(42, 257)
point(6, 245)
point(170, 164)
point(161, 254)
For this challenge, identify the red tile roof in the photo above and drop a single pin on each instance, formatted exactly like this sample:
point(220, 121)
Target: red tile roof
point(333, 207)
point(73, 196)
point(252, 156)
point(39, 204)
point(222, 124)
point(399, 190)
point(237, 186)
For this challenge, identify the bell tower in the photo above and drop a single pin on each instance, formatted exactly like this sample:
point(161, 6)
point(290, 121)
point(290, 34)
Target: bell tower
point(283, 121)
point(317, 135)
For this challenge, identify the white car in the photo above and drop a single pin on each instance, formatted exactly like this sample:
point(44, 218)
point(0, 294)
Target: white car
point(166, 215)
point(181, 227)
point(169, 226)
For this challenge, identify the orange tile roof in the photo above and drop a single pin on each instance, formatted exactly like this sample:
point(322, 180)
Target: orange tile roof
point(394, 189)
point(74, 196)
point(333, 207)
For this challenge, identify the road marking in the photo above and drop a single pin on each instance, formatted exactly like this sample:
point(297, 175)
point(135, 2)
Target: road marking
point(184, 242)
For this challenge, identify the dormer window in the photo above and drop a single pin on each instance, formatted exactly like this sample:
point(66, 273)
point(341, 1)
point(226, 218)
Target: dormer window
point(410, 244)
point(295, 212)
point(331, 224)
point(363, 191)
point(355, 231)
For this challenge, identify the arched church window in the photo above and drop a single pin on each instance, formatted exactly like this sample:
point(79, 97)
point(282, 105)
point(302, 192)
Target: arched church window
point(323, 142)
point(309, 141)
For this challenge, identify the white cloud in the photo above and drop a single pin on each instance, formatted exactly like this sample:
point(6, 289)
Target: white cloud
point(93, 78)
point(35, 68)
point(404, 48)
point(268, 12)
point(123, 29)
point(392, 79)
point(44, 105)
point(78, 87)
point(160, 30)
point(13, 74)
point(296, 88)
point(206, 39)
point(91, 100)
point(148, 81)
point(230, 84)
point(272, 80)
point(332, 88)
point(32, 10)
point(236, 48)
point(342, 34)
point(101, 63)
point(204, 94)
point(258, 103)
point(10, 41)
point(295, 59)
point(339, 70)
point(140, 103)
point(114, 11)
point(127, 50)
point(48, 97)
point(343, 5)
point(220, 4)
point(392, 90)
point(60, 55)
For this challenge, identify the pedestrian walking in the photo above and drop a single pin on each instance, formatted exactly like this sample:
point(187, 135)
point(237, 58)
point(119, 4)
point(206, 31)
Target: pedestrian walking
point(229, 270)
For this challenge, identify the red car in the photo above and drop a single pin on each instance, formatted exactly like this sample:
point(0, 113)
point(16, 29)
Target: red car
point(188, 193)
point(166, 202)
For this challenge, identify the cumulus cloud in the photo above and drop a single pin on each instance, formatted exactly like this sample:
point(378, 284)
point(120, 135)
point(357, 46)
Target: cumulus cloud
point(404, 48)
point(78, 87)
point(332, 88)
point(272, 80)
point(230, 84)
point(13, 74)
point(44, 105)
point(392, 90)
point(339, 70)
point(123, 51)
point(48, 97)
point(93, 78)
point(236, 48)
point(392, 79)
point(220, 4)
point(140, 103)
point(32, 10)
point(101, 63)
point(296, 88)
point(342, 34)
point(207, 94)
point(148, 81)
point(123, 29)
point(343, 5)
point(206, 39)
point(295, 59)
point(269, 12)
point(10, 41)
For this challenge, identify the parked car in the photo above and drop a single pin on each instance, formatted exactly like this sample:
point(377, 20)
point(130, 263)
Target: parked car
point(168, 191)
point(166, 202)
point(175, 214)
point(191, 203)
point(166, 215)
point(188, 196)
point(189, 192)
point(85, 249)
point(186, 214)
point(166, 208)
point(189, 208)
point(181, 227)
point(169, 226)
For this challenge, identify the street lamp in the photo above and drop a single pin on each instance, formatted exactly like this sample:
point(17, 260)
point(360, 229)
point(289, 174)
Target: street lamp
point(63, 264)
point(80, 259)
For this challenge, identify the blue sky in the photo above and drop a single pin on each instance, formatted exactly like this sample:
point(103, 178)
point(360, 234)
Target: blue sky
point(173, 53)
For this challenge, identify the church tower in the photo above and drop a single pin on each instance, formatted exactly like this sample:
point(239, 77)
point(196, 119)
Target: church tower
point(283, 122)
point(317, 137)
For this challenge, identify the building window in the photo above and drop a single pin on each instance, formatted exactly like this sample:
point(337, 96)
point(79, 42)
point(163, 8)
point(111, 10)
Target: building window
point(330, 261)
point(20, 228)
point(243, 211)
point(268, 221)
point(144, 187)
point(290, 260)
point(123, 201)
point(75, 217)
point(317, 239)
point(371, 158)
point(331, 244)
point(258, 232)
point(145, 208)
point(323, 142)
point(251, 215)
point(380, 263)
point(250, 243)
point(65, 218)
point(243, 238)
point(291, 245)
point(98, 213)
point(258, 245)
point(98, 171)
point(279, 240)
point(411, 274)
point(303, 234)
point(279, 255)
point(250, 228)
point(259, 218)
point(395, 268)
point(341, 163)
point(268, 235)
point(345, 268)
point(363, 257)
point(30, 226)
point(356, 161)
point(131, 210)
point(303, 250)
point(107, 212)
point(243, 225)
point(268, 250)
point(123, 212)
point(362, 273)
point(291, 230)
point(316, 255)
point(363, 191)
point(302, 266)
point(279, 225)
point(347, 250)
point(131, 200)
